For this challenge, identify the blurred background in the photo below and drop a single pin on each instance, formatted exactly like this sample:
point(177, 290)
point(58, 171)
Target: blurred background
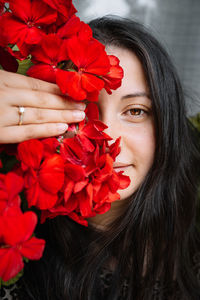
point(176, 23)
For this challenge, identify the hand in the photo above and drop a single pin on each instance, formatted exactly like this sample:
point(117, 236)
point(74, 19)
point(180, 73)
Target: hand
point(47, 111)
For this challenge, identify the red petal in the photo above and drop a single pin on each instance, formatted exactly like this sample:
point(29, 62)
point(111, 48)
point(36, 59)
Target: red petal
point(98, 62)
point(78, 219)
point(69, 28)
point(70, 83)
point(91, 83)
point(32, 193)
point(42, 13)
point(71, 204)
point(102, 208)
point(68, 189)
point(86, 144)
point(84, 204)
point(75, 150)
point(33, 36)
point(17, 30)
point(51, 174)
point(80, 185)
point(114, 61)
point(113, 197)
point(43, 72)
point(106, 164)
point(39, 55)
point(114, 182)
point(49, 49)
point(11, 263)
point(65, 7)
point(115, 148)
point(75, 172)
point(46, 200)
point(14, 184)
point(21, 10)
point(92, 111)
point(93, 96)
point(124, 181)
point(31, 153)
point(85, 32)
point(33, 248)
point(19, 228)
point(50, 146)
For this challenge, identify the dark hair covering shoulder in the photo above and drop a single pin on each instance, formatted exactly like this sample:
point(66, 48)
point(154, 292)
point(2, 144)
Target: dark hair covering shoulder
point(155, 240)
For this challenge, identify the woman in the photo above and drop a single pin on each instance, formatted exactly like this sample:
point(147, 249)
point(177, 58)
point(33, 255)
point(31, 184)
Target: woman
point(146, 246)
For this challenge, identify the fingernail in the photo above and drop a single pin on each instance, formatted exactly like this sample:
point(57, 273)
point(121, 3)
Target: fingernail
point(62, 127)
point(78, 115)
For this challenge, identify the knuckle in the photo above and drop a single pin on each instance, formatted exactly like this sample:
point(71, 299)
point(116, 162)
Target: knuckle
point(39, 115)
point(28, 133)
point(64, 115)
point(34, 83)
point(42, 99)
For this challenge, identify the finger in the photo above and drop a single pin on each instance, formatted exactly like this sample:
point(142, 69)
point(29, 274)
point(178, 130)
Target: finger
point(40, 99)
point(13, 80)
point(17, 134)
point(39, 116)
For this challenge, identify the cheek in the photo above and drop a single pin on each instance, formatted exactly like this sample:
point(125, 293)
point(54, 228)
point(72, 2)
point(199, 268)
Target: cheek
point(141, 142)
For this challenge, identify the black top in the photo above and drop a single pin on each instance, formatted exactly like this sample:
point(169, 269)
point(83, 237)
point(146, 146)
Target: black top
point(159, 290)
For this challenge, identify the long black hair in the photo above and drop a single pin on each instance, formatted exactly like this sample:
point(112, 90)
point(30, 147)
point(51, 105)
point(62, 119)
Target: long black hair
point(154, 241)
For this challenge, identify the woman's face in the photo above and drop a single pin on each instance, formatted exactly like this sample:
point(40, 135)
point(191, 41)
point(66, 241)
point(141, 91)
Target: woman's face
point(127, 113)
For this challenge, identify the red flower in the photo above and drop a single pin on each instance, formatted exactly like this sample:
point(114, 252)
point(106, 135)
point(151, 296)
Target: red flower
point(90, 62)
point(114, 77)
point(47, 57)
point(64, 7)
point(10, 186)
point(74, 26)
point(91, 184)
point(17, 242)
point(26, 21)
point(50, 146)
point(80, 79)
point(43, 177)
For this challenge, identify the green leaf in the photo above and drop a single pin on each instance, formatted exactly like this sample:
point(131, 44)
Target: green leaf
point(24, 65)
point(15, 48)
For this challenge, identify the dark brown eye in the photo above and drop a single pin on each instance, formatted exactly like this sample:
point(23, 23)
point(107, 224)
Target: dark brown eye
point(136, 111)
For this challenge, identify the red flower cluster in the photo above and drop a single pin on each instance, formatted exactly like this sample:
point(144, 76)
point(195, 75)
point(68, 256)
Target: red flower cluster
point(61, 46)
point(16, 229)
point(90, 183)
point(69, 175)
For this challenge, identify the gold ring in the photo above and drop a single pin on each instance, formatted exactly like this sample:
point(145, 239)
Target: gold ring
point(21, 113)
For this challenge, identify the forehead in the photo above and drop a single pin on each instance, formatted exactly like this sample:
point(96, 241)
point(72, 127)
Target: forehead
point(134, 77)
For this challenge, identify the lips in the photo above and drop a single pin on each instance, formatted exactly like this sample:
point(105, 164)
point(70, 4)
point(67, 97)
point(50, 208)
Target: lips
point(118, 165)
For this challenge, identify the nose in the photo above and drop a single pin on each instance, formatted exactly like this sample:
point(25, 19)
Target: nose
point(108, 114)
point(113, 129)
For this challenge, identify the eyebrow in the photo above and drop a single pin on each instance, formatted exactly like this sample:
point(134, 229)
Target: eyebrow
point(134, 95)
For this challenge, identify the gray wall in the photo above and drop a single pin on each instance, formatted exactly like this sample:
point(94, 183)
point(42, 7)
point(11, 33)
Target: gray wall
point(176, 23)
